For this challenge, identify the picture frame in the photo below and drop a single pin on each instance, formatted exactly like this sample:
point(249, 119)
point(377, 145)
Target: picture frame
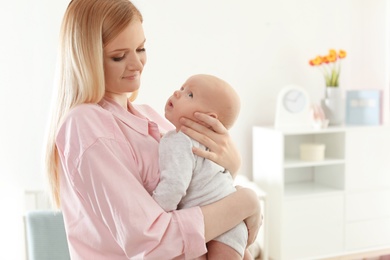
point(363, 107)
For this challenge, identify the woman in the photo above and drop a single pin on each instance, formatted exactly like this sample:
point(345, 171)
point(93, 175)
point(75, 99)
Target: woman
point(102, 153)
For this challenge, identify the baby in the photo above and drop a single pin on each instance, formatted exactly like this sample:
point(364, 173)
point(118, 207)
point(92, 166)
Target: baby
point(188, 180)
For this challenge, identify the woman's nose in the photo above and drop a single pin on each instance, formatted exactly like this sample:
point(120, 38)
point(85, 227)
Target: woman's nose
point(134, 62)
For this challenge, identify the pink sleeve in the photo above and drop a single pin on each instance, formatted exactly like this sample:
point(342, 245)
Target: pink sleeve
point(110, 190)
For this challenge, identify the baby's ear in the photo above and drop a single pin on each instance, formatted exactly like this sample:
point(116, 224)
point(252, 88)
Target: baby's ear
point(212, 114)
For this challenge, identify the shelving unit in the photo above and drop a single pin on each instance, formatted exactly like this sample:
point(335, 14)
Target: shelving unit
point(312, 205)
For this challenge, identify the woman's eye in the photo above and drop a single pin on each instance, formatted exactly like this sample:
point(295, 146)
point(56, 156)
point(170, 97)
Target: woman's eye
point(141, 50)
point(118, 58)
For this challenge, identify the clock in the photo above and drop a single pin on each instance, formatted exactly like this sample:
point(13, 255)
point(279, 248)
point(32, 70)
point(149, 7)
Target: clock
point(293, 108)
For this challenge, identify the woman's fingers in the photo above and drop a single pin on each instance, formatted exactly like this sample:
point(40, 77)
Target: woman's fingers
point(212, 122)
point(199, 132)
point(210, 132)
point(207, 154)
point(253, 224)
point(197, 135)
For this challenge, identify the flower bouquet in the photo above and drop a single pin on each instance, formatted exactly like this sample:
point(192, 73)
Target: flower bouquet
point(330, 66)
point(333, 103)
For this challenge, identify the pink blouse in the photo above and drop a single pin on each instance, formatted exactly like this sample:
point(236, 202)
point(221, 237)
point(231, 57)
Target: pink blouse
point(109, 161)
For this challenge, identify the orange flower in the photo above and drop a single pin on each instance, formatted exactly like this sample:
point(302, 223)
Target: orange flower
point(332, 57)
point(330, 66)
point(342, 54)
point(332, 52)
point(316, 61)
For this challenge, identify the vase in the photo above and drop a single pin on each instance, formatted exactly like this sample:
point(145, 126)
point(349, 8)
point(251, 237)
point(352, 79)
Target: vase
point(333, 105)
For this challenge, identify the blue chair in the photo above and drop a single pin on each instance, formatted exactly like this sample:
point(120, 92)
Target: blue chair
point(46, 236)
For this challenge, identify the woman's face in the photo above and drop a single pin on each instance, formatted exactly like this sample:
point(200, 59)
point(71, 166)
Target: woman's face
point(124, 60)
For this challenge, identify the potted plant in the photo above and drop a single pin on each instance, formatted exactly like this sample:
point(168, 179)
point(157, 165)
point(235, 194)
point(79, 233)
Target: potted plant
point(330, 66)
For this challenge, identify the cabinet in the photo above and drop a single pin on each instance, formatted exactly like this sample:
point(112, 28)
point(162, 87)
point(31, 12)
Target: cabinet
point(330, 207)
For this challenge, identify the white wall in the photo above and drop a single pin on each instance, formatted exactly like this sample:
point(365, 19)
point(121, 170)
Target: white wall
point(258, 46)
point(28, 43)
point(29, 37)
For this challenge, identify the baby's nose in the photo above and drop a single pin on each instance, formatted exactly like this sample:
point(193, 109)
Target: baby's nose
point(176, 93)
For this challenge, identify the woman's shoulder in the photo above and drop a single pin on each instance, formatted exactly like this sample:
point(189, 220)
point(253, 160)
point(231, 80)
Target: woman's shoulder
point(87, 122)
point(89, 115)
point(85, 109)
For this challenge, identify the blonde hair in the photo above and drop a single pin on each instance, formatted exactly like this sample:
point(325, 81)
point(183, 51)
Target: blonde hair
point(87, 26)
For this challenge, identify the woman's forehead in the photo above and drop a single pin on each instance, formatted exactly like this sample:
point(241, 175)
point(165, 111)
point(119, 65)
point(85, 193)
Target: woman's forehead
point(132, 37)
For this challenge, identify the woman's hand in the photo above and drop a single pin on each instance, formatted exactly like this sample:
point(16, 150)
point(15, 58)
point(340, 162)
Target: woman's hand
point(211, 133)
point(255, 220)
point(226, 213)
point(253, 223)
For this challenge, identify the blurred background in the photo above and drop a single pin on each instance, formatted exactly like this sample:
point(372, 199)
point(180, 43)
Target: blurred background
point(258, 46)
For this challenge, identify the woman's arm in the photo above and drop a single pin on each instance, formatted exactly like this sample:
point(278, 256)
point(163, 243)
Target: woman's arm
point(215, 136)
point(241, 205)
point(228, 212)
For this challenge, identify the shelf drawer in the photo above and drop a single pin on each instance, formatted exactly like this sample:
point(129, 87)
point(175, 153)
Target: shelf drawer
point(367, 205)
point(370, 233)
point(367, 159)
point(313, 226)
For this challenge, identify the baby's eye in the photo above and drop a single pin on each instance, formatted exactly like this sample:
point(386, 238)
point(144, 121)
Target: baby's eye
point(118, 58)
point(190, 94)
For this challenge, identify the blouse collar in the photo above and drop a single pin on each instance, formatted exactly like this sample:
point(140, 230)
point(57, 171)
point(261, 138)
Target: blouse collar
point(131, 117)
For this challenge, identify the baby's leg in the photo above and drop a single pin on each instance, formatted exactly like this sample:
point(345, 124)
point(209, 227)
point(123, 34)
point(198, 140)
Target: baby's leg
point(203, 257)
point(217, 250)
point(248, 255)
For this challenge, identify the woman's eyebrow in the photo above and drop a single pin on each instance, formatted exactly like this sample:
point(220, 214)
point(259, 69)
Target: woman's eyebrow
point(127, 49)
point(119, 50)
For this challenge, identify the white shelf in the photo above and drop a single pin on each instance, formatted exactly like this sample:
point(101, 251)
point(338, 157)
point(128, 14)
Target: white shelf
point(308, 189)
point(311, 130)
point(298, 163)
point(321, 200)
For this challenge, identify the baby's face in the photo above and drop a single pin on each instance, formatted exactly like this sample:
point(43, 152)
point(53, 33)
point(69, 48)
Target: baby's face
point(195, 95)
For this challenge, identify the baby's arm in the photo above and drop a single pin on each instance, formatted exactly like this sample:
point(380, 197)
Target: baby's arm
point(176, 166)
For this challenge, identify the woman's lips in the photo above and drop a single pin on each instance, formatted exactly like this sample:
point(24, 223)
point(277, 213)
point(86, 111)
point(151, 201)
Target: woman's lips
point(131, 77)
